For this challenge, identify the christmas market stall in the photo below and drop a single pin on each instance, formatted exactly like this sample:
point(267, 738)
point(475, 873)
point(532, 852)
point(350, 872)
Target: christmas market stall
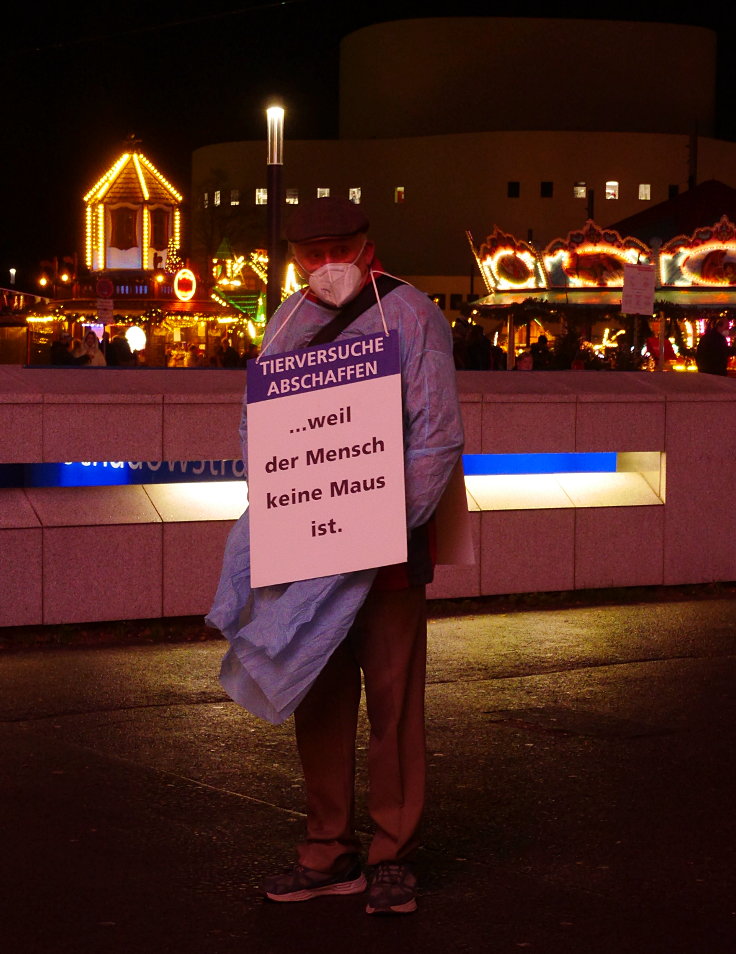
point(134, 290)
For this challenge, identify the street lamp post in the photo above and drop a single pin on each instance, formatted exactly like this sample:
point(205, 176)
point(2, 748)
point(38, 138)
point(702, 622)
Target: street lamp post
point(275, 119)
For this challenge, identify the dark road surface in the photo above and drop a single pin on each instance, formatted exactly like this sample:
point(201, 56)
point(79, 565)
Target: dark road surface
point(581, 796)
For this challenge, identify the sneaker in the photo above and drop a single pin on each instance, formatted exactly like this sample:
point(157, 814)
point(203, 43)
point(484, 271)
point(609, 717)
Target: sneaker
point(301, 884)
point(393, 889)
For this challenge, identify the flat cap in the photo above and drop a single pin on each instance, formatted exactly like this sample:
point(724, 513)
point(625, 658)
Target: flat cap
point(328, 217)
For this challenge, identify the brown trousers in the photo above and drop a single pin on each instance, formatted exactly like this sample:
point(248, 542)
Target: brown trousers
point(388, 642)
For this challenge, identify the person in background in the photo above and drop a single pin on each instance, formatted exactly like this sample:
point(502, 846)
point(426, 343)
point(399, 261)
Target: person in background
point(92, 345)
point(460, 336)
point(477, 350)
point(194, 357)
point(227, 355)
point(524, 362)
point(118, 353)
point(250, 351)
point(541, 355)
point(713, 349)
point(62, 353)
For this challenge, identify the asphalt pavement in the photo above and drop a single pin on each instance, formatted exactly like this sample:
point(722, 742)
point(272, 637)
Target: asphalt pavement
point(581, 795)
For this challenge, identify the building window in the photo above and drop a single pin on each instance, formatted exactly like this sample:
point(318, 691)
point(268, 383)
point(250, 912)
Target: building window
point(235, 197)
point(261, 196)
point(124, 228)
point(292, 197)
point(354, 194)
point(645, 191)
point(216, 197)
point(579, 191)
point(513, 190)
point(456, 302)
point(205, 201)
point(439, 300)
point(159, 230)
point(546, 189)
point(399, 194)
point(323, 193)
point(673, 191)
point(612, 189)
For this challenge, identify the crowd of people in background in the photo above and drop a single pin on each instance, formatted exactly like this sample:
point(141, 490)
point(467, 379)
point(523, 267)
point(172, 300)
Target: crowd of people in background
point(114, 350)
point(474, 351)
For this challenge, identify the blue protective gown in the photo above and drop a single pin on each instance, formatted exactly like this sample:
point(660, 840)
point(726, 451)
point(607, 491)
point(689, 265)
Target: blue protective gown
point(281, 636)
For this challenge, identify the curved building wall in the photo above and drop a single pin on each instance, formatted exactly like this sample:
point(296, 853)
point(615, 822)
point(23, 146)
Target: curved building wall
point(453, 184)
point(467, 74)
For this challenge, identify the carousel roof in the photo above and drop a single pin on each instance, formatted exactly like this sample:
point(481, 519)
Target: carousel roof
point(133, 178)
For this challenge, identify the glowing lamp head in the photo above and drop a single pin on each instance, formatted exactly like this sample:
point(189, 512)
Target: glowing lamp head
point(136, 338)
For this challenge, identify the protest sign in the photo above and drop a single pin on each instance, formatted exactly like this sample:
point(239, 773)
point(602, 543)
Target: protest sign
point(326, 460)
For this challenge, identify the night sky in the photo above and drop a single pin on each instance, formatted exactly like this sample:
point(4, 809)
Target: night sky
point(78, 79)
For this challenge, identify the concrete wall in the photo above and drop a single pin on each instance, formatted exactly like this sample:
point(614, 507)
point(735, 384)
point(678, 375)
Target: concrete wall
point(74, 554)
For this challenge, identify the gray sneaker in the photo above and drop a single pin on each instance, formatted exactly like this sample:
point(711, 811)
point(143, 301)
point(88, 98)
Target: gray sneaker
point(393, 889)
point(301, 884)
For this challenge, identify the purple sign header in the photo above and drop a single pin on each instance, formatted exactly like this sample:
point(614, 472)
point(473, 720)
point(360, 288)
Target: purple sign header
point(323, 366)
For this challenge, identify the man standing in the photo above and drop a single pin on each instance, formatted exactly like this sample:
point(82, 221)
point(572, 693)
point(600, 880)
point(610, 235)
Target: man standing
point(382, 619)
point(713, 349)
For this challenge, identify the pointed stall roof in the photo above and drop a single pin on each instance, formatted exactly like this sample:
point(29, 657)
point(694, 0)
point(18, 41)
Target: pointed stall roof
point(133, 178)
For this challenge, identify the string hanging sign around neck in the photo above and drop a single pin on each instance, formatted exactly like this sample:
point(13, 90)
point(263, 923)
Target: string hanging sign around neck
point(326, 460)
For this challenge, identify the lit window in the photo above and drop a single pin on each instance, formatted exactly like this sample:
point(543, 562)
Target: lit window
point(645, 191)
point(323, 193)
point(399, 194)
point(292, 197)
point(205, 200)
point(612, 190)
point(261, 196)
point(235, 197)
point(354, 194)
point(216, 197)
point(546, 189)
point(513, 190)
point(580, 190)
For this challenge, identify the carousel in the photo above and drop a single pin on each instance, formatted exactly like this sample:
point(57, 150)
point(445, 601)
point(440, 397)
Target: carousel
point(603, 300)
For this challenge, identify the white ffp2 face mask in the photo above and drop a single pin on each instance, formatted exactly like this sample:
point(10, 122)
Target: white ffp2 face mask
point(337, 282)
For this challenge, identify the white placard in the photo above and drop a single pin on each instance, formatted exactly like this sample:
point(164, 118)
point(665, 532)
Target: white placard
point(326, 460)
point(638, 292)
point(105, 310)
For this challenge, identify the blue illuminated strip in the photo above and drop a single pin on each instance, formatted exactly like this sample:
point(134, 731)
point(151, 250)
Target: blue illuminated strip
point(477, 465)
point(111, 473)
